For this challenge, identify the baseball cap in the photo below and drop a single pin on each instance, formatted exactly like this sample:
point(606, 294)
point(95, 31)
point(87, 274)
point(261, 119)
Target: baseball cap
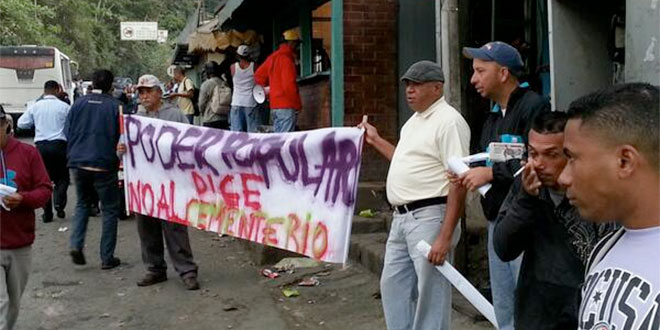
point(424, 71)
point(499, 52)
point(149, 81)
point(242, 50)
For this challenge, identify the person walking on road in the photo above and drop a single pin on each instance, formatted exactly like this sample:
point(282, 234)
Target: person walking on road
point(152, 230)
point(21, 168)
point(48, 116)
point(92, 132)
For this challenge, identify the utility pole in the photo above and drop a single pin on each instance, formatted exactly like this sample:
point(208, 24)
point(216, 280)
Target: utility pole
point(449, 52)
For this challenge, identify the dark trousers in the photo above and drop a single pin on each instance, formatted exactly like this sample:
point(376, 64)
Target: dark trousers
point(105, 184)
point(54, 155)
point(152, 231)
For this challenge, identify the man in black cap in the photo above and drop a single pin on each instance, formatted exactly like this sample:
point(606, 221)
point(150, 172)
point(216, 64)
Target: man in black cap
point(426, 205)
point(497, 67)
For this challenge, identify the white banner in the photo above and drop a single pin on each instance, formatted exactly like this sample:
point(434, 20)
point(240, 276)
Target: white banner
point(294, 191)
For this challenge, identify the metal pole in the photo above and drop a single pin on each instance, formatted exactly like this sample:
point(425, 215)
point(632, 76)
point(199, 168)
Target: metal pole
point(337, 69)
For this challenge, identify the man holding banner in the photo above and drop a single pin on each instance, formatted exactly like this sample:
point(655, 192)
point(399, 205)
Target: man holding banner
point(150, 229)
point(426, 205)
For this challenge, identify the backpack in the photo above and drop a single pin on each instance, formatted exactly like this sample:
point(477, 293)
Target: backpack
point(221, 99)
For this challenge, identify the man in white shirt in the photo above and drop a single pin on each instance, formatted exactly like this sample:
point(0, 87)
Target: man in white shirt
point(47, 116)
point(426, 205)
point(611, 141)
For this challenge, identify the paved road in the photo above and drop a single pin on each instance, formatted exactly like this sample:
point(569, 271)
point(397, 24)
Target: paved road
point(233, 296)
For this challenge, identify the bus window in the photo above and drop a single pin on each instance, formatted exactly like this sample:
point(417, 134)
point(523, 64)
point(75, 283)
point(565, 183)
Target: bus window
point(66, 73)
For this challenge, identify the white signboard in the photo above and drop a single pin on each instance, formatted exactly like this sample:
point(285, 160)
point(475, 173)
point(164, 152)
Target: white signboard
point(138, 30)
point(295, 191)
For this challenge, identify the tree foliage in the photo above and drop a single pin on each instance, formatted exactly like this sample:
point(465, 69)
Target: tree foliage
point(88, 31)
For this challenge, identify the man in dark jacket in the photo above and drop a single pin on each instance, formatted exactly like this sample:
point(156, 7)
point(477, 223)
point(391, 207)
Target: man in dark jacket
point(497, 67)
point(22, 169)
point(92, 131)
point(537, 219)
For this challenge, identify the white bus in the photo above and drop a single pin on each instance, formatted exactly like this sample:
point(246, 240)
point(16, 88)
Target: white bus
point(25, 69)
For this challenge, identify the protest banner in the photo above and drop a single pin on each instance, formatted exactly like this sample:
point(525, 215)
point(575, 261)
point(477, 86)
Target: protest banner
point(294, 191)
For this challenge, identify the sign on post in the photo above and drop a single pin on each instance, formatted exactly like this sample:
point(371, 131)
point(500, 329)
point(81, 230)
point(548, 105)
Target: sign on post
point(295, 191)
point(138, 30)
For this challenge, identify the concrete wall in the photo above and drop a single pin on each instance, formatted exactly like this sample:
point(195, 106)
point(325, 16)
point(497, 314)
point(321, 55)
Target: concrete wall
point(643, 41)
point(578, 49)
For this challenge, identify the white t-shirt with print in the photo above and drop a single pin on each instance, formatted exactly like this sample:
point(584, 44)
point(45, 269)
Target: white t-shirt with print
point(623, 290)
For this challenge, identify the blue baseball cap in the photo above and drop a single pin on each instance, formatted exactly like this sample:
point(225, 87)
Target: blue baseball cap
point(499, 52)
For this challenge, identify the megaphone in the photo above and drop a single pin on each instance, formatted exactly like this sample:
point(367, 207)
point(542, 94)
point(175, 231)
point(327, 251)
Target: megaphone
point(259, 93)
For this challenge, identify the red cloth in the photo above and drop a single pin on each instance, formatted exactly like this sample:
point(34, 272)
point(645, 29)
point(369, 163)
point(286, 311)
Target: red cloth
point(25, 171)
point(279, 71)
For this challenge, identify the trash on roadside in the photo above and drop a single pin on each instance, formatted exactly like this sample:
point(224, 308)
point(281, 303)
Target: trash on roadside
point(269, 273)
point(368, 213)
point(229, 308)
point(311, 302)
point(62, 229)
point(324, 273)
point(288, 292)
point(312, 281)
point(293, 263)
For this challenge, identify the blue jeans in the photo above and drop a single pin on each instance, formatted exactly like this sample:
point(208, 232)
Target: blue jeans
point(105, 185)
point(414, 294)
point(244, 119)
point(503, 280)
point(284, 120)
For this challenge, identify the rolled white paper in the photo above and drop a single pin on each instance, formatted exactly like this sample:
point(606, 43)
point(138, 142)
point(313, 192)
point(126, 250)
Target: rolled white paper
point(457, 166)
point(462, 285)
point(5, 191)
point(480, 157)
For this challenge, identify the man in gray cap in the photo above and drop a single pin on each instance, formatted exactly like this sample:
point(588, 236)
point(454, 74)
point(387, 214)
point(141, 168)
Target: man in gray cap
point(426, 205)
point(497, 68)
point(151, 230)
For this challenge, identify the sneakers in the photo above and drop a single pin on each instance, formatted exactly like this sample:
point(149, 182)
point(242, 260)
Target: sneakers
point(77, 257)
point(61, 214)
point(191, 283)
point(112, 263)
point(47, 219)
point(152, 278)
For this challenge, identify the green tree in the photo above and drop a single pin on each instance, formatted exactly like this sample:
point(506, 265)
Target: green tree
point(88, 31)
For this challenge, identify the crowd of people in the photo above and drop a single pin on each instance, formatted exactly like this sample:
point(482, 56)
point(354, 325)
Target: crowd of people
point(573, 229)
point(573, 222)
